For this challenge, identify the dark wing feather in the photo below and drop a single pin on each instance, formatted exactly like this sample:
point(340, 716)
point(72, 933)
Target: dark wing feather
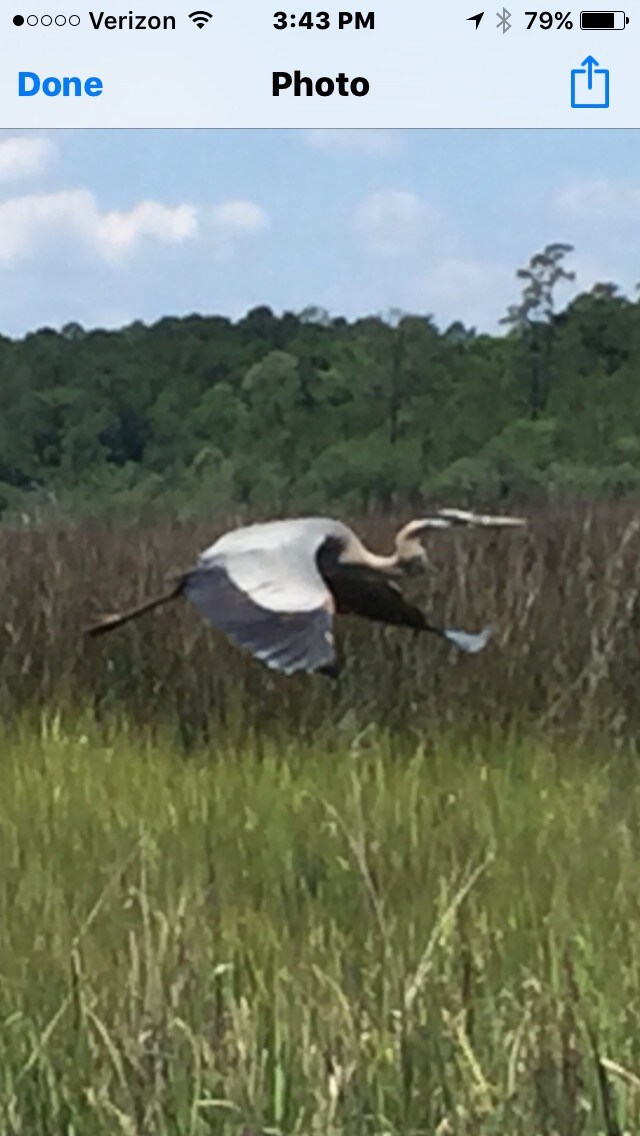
point(366, 593)
point(285, 641)
point(361, 591)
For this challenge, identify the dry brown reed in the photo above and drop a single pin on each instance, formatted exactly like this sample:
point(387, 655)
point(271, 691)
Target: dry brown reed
point(563, 593)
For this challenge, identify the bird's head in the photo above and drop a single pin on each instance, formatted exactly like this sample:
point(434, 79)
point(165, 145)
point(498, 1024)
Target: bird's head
point(410, 552)
point(411, 556)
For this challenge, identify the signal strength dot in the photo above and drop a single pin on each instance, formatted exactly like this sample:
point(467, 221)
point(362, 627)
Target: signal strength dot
point(200, 18)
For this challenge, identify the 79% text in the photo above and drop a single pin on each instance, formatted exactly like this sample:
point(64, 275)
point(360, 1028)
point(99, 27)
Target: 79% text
point(549, 20)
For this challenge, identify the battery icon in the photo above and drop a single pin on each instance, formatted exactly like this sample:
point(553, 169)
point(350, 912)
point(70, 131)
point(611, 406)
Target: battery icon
point(603, 21)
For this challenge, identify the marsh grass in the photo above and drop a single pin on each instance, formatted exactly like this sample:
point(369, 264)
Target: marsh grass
point(403, 904)
point(382, 940)
point(563, 594)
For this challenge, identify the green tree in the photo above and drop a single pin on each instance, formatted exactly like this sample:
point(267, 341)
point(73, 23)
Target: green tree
point(532, 320)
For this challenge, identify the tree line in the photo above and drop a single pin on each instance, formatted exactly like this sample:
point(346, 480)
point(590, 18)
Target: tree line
point(308, 411)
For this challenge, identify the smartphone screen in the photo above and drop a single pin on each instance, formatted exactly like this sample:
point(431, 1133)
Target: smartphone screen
point(319, 585)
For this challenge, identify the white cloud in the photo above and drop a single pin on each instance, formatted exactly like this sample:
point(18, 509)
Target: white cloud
point(350, 141)
point(117, 232)
point(20, 156)
point(602, 198)
point(394, 223)
point(26, 222)
point(233, 220)
point(238, 218)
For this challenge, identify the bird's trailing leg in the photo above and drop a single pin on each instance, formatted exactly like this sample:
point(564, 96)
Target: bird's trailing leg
point(110, 622)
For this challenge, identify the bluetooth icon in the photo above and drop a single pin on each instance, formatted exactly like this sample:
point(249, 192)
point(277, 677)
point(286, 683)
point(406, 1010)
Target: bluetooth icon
point(504, 20)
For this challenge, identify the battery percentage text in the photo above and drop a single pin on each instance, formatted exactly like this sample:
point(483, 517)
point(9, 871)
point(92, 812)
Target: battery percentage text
point(549, 20)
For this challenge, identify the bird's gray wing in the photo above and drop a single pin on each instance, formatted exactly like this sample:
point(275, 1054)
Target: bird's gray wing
point(272, 601)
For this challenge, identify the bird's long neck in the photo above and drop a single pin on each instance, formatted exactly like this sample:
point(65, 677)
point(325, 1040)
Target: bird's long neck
point(388, 565)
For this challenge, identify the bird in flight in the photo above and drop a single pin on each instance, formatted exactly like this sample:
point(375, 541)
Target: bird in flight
point(275, 588)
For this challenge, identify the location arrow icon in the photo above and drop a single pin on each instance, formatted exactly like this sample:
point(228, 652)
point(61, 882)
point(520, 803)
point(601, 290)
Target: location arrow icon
point(476, 18)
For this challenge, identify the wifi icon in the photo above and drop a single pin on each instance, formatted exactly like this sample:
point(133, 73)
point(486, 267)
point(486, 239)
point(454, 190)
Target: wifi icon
point(200, 18)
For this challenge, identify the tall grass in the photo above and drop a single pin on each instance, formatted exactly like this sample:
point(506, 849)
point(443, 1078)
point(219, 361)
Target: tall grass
point(387, 940)
point(402, 904)
point(564, 596)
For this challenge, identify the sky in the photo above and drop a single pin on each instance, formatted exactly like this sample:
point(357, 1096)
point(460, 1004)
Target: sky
point(104, 227)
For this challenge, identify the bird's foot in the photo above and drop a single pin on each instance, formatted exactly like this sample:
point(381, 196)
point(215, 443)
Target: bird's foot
point(468, 642)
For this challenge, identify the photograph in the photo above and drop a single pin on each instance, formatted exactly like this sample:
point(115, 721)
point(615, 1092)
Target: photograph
point(319, 632)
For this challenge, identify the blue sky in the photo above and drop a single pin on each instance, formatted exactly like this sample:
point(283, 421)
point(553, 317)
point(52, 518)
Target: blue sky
point(105, 227)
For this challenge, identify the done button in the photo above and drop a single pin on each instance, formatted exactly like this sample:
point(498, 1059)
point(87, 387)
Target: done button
point(29, 83)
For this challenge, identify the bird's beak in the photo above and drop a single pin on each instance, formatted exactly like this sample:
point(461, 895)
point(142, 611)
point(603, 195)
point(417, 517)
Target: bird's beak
point(480, 520)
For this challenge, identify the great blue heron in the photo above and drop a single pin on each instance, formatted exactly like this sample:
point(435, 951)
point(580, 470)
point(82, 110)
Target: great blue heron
point(276, 587)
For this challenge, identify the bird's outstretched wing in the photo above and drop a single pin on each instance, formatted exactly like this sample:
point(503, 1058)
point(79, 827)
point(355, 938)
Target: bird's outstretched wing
point(268, 596)
point(363, 593)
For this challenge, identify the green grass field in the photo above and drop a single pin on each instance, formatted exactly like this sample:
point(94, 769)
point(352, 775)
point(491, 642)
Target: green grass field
point(403, 904)
point(383, 939)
